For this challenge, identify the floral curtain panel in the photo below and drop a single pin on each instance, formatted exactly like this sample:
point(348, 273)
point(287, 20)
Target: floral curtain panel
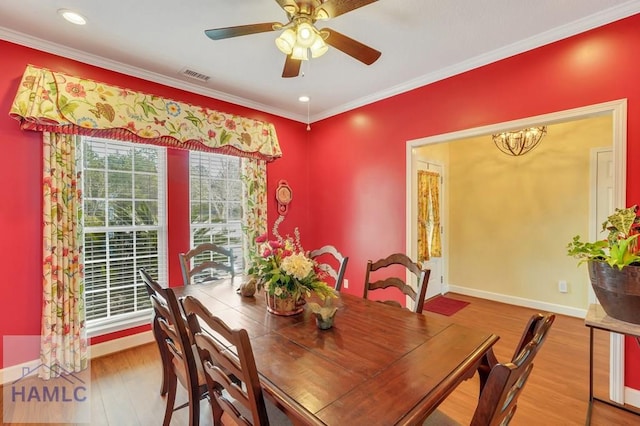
point(56, 102)
point(429, 244)
point(254, 219)
point(64, 342)
point(62, 106)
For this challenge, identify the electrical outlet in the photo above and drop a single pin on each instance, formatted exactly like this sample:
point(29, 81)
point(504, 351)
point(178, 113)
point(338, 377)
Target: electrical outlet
point(562, 286)
point(345, 283)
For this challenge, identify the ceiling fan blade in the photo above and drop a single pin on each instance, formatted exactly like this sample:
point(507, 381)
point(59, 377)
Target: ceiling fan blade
point(291, 67)
point(241, 30)
point(339, 7)
point(362, 52)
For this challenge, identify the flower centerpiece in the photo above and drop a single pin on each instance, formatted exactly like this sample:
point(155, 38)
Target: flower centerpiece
point(286, 273)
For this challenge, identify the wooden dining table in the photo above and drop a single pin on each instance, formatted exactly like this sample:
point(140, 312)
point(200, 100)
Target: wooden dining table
point(377, 365)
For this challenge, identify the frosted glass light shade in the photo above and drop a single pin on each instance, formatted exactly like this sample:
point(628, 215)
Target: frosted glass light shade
point(300, 53)
point(306, 35)
point(286, 41)
point(318, 48)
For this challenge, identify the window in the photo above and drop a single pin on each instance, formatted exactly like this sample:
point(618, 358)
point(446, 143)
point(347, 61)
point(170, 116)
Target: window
point(216, 202)
point(124, 230)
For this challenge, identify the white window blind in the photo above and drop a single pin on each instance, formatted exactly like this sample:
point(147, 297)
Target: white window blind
point(216, 202)
point(124, 219)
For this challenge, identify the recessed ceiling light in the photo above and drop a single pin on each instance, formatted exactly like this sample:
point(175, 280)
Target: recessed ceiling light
point(73, 17)
point(303, 99)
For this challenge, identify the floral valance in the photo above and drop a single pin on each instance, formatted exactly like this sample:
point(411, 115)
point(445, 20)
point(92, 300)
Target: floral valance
point(56, 102)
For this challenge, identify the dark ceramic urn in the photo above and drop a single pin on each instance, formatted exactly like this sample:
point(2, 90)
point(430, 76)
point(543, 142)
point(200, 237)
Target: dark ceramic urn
point(617, 290)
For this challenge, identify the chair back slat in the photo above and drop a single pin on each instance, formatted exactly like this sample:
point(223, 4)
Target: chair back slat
point(529, 332)
point(498, 399)
point(227, 361)
point(422, 277)
point(206, 257)
point(328, 252)
point(394, 282)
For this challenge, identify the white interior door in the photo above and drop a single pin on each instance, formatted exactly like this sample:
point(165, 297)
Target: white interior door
point(435, 264)
point(602, 177)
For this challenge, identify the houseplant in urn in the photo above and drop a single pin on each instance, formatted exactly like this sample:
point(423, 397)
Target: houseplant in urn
point(286, 273)
point(614, 264)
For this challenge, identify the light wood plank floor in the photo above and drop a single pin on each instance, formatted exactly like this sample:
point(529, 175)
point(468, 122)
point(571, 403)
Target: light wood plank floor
point(125, 385)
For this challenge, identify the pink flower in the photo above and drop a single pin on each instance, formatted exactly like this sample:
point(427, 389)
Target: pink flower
point(266, 253)
point(275, 244)
point(261, 238)
point(230, 124)
point(76, 90)
point(286, 253)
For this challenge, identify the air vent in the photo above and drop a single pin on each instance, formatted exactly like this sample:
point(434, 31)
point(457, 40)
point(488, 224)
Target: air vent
point(195, 74)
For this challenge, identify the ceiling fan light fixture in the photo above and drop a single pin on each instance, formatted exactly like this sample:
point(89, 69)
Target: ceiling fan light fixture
point(318, 48)
point(321, 15)
point(306, 34)
point(286, 41)
point(290, 9)
point(300, 53)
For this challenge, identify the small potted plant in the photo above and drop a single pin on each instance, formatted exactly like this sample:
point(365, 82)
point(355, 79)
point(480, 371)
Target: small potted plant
point(614, 264)
point(324, 314)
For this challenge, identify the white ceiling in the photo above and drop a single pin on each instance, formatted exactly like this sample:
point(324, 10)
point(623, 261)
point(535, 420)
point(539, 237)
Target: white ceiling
point(421, 41)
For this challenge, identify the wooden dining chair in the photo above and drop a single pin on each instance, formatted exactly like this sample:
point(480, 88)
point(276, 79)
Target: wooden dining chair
point(534, 324)
point(326, 254)
point(504, 382)
point(401, 259)
point(179, 360)
point(230, 369)
point(205, 262)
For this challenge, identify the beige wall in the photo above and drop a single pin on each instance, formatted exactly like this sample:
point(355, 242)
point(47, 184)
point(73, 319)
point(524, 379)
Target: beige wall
point(509, 219)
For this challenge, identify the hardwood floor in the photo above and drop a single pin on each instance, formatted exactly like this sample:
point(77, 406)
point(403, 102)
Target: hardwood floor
point(125, 385)
point(558, 388)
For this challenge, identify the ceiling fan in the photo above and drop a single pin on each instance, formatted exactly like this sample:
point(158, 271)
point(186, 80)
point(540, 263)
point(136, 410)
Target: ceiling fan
point(300, 37)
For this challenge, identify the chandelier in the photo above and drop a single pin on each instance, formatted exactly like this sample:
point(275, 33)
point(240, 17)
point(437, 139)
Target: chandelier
point(519, 142)
point(302, 39)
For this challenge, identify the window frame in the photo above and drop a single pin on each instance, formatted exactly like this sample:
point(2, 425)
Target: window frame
point(123, 321)
point(234, 224)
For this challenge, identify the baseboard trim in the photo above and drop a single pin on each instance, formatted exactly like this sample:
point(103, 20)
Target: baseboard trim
point(14, 372)
point(117, 345)
point(632, 397)
point(518, 301)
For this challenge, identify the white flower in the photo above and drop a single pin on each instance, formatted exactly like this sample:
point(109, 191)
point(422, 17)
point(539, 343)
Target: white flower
point(277, 291)
point(297, 265)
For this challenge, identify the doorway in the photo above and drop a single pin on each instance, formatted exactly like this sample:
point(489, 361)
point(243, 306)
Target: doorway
point(617, 111)
point(431, 227)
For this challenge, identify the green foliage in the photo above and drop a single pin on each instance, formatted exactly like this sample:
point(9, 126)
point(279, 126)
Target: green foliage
point(277, 268)
point(620, 249)
point(277, 282)
point(193, 119)
point(147, 108)
point(66, 107)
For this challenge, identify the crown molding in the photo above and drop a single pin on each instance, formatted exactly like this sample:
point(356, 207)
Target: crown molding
point(99, 61)
point(576, 27)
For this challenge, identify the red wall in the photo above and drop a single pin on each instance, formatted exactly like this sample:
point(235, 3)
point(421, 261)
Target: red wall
point(358, 189)
point(20, 191)
point(348, 173)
